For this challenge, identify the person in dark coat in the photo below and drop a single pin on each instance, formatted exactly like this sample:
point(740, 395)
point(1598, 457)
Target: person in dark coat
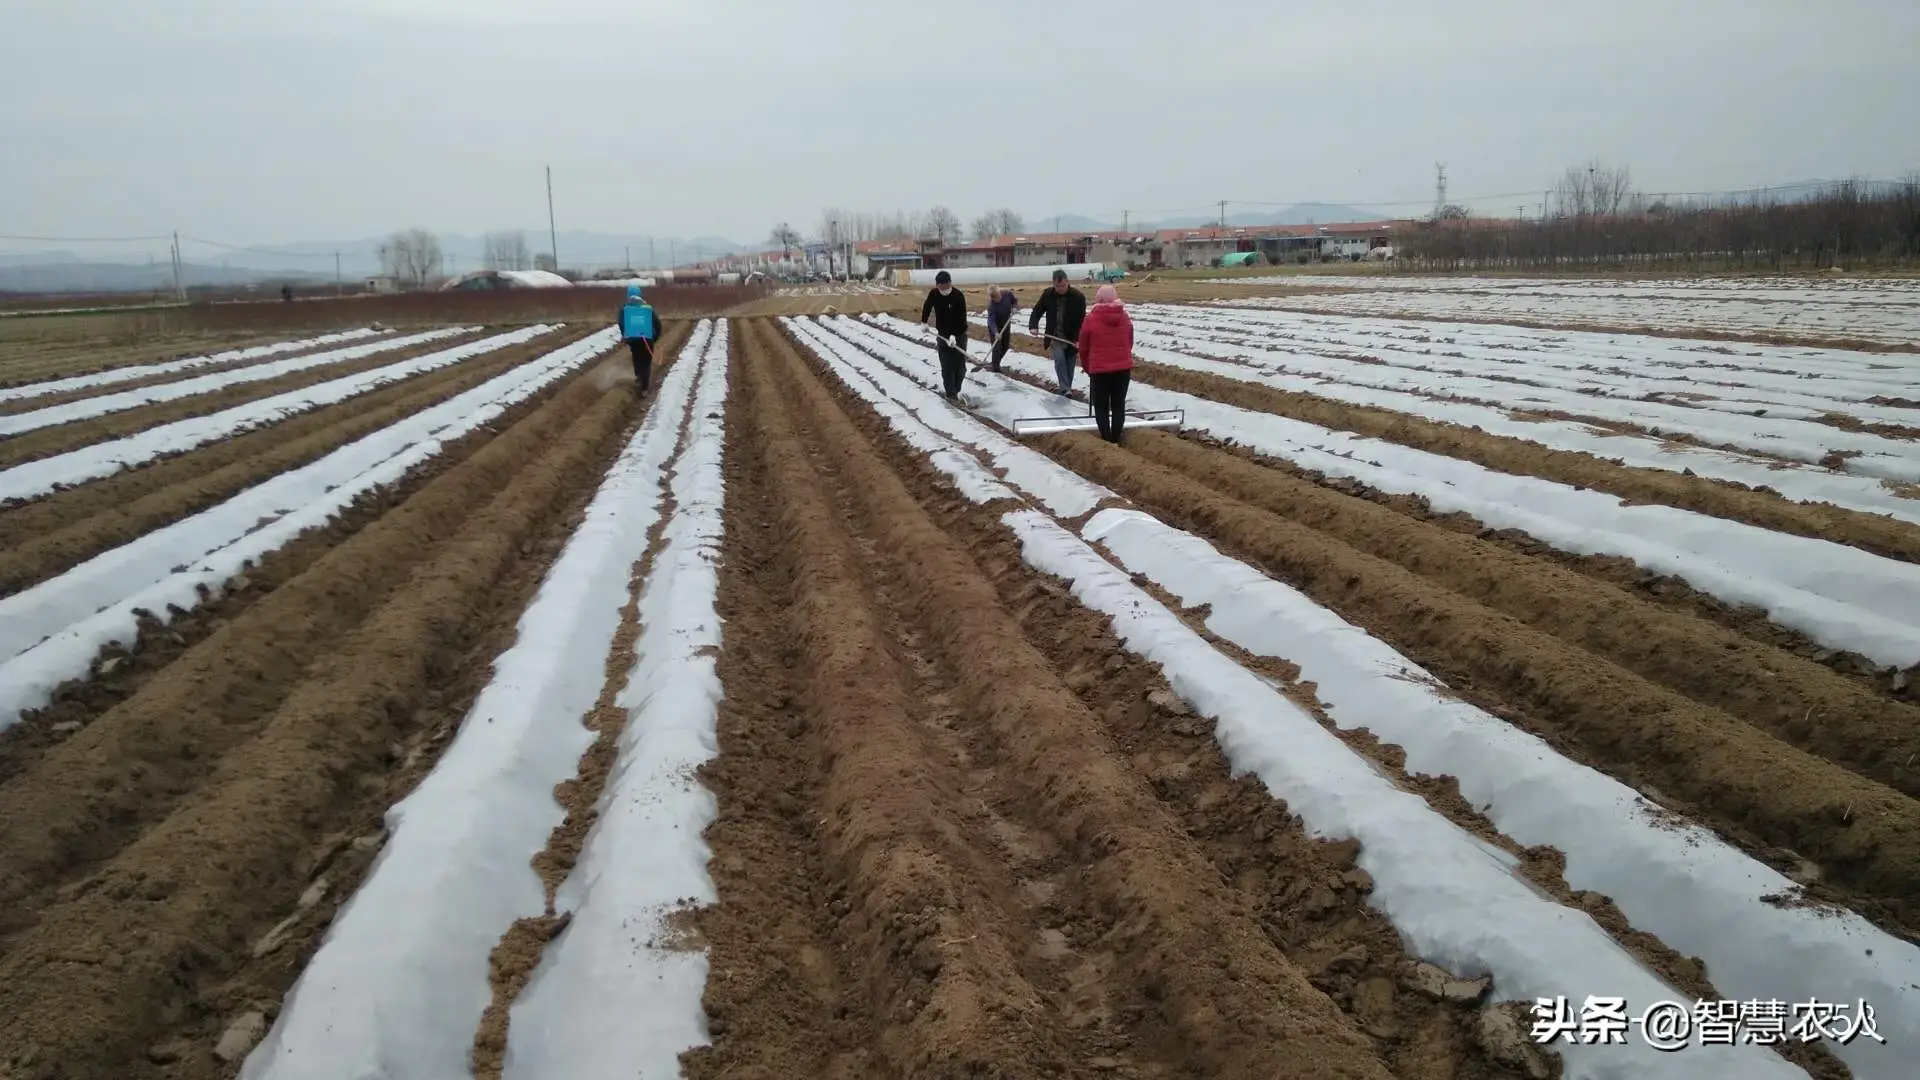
point(1000, 305)
point(1064, 307)
point(947, 306)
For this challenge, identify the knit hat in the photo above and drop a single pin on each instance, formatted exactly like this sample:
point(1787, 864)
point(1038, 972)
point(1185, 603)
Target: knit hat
point(1107, 295)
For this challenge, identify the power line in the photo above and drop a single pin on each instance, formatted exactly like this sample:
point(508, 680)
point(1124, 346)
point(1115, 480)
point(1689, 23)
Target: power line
point(270, 251)
point(87, 239)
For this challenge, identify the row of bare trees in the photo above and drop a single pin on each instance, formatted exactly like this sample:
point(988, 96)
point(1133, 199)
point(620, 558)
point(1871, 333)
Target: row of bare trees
point(1594, 217)
point(838, 226)
point(506, 251)
point(412, 258)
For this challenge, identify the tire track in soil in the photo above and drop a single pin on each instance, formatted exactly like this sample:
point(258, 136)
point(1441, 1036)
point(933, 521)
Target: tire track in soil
point(54, 534)
point(63, 438)
point(108, 967)
point(1716, 769)
point(86, 797)
point(22, 405)
point(512, 962)
point(1190, 976)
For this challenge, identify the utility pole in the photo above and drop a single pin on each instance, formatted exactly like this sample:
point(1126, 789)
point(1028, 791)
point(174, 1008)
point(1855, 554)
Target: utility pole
point(339, 285)
point(1439, 190)
point(1123, 220)
point(553, 237)
point(179, 290)
point(1223, 213)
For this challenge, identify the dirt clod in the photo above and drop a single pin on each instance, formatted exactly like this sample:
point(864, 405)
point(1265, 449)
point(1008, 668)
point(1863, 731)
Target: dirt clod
point(240, 1036)
point(1168, 702)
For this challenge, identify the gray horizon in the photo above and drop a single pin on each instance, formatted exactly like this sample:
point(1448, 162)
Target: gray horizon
point(345, 120)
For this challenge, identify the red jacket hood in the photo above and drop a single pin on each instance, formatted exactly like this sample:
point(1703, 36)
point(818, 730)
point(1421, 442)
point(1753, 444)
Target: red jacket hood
point(1106, 339)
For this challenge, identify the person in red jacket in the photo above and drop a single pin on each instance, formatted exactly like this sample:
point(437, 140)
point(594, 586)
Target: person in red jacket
point(1106, 355)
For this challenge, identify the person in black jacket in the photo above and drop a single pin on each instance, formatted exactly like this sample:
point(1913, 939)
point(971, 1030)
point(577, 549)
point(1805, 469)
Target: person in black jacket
point(948, 306)
point(1064, 306)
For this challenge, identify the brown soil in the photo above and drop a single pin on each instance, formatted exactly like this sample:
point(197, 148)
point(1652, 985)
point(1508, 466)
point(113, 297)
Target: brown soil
point(514, 959)
point(1595, 326)
point(1871, 427)
point(122, 670)
point(1763, 507)
point(1881, 536)
point(1551, 679)
point(1021, 880)
point(63, 438)
point(181, 825)
point(52, 534)
point(48, 400)
point(28, 362)
point(961, 830)
point(1776, 692)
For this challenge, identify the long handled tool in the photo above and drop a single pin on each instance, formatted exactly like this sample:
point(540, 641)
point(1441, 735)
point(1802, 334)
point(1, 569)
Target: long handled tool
point(1005, 328)
point(1051, 425)
point(951, 344)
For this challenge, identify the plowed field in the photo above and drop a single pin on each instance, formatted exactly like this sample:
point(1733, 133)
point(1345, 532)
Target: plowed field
point(451, 709)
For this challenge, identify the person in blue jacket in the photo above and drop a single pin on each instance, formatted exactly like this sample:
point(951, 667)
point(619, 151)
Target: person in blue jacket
point(640, 328)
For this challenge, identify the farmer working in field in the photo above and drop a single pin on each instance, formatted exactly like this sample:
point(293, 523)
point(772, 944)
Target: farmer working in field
point(948, 307)
point(1065, 307)
point(640, 329)
point(1106, 352)
point(1000, 305)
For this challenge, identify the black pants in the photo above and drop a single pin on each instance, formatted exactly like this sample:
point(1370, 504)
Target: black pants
point(1001, 344)
point(642, 350)
point(1108, 393)
point(953, 369)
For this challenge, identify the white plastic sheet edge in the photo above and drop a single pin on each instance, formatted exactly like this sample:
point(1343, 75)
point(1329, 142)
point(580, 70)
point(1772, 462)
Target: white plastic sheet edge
point(94, 603)
point(613, 998)
point(399, 983)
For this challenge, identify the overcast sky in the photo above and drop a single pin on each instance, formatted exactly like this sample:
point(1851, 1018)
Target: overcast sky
point(258, 122)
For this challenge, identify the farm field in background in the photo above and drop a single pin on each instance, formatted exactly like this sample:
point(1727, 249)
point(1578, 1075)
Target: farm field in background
point(393, 691)
point(1876, 312)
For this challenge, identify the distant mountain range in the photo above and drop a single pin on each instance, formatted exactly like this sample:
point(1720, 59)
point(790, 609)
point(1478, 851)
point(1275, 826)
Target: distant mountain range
point(464, 252)
point(312, 263)
point(62, 272)
point(1297, 214)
